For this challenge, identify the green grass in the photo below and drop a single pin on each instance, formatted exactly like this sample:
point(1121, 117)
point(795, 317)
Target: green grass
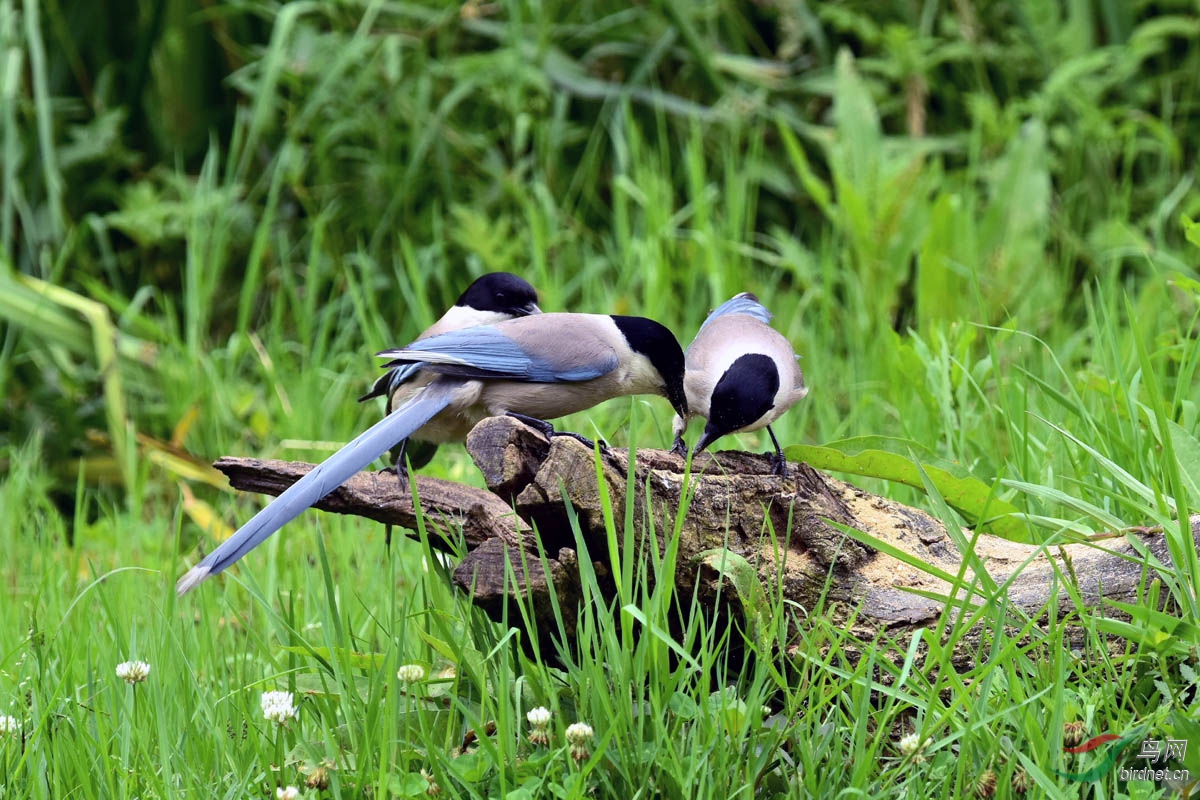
point(211, 219)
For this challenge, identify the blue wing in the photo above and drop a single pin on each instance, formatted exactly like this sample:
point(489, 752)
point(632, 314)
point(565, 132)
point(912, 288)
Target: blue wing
point(488, 352)
point(744, 303)
point(323, 479)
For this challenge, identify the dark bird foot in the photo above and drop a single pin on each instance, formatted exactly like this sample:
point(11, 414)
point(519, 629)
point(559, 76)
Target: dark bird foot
point(401, 470)
point(779, 464)
point(401, 479)
point(547, 430)
point(586, 442)
point(679, 448)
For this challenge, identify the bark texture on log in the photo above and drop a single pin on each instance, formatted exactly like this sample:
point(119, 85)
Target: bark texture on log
point(779, 526)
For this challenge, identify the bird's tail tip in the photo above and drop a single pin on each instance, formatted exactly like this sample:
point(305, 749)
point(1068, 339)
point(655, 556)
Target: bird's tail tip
point(194, 577)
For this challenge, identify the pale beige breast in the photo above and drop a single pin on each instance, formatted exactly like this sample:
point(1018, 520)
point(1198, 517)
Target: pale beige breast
point(725, 339)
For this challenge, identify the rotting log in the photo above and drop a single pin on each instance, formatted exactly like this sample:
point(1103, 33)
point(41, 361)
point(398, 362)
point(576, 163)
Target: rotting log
point(780, 526)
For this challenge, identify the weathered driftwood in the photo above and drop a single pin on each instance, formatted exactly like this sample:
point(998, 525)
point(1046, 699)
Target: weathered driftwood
point(780, 526)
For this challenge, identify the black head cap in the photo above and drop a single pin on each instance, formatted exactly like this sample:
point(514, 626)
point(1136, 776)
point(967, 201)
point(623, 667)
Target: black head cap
point(657, 343)
point(743, 394)
point(502, 292)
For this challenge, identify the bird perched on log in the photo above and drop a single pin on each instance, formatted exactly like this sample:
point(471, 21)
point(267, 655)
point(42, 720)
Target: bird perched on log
point(493, 297)
point(536, 367)
point(742, 375)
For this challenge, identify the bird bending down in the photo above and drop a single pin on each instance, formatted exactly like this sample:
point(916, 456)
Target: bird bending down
point(491, 298)
point(741, 375)
point(541, 366)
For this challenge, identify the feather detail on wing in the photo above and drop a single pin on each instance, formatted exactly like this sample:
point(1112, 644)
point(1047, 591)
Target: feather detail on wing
point(487, 352)
point(744, 303)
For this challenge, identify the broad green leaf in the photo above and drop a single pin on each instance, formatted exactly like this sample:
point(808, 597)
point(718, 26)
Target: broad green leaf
point(744, 579)
point(471, 767)
point(1187, 453)
point(1187, 728)
point(440, 647)
point(467, 660)
point(1191, 229)
point(409, 784)
point(682, 705)
point(729, 708)
point(887, 458)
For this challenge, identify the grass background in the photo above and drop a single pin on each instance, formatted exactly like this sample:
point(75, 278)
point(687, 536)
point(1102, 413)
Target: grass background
point(972, 220)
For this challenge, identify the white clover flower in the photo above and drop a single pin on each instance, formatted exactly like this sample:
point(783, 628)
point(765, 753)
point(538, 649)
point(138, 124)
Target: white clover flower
point(910, 744)
point(411, 673)
point(578, 735)
point(133, 671)
point(278, 707)
point(432, 790)
point(539, 720)
point(287, 792)
point(8, 725)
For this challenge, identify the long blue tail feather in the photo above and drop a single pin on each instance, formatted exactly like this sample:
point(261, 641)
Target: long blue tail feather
point(324, 478)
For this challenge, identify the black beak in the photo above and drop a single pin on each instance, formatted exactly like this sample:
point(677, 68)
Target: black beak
point(528, 309)
point(678, 398)
point(708, 437)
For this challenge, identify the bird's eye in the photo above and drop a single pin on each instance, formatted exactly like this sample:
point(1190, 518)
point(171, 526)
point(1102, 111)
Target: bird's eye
point(500, 296)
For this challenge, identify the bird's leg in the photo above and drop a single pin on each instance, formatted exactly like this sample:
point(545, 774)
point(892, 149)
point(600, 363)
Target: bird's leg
point(402, 466)
point(779, 463)
point(402, 485)
point(679, 427)
point(546, 429)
